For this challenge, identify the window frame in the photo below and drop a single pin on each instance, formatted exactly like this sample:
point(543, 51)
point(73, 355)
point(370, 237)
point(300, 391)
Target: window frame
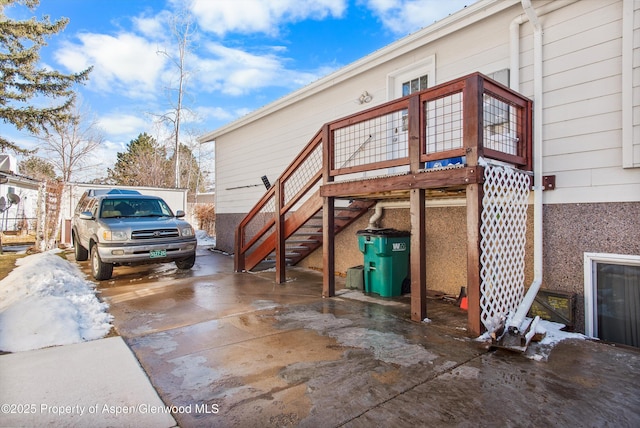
point(427, 66)
point(591, 284)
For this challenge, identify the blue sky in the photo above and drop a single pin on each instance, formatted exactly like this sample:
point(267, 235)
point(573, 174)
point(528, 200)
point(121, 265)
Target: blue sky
point(244, 55)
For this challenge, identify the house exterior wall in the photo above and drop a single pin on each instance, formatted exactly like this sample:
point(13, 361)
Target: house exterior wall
point(20, 216)
point(590, 128)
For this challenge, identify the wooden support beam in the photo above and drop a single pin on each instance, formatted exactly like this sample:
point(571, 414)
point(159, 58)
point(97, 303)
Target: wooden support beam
point(239, 257)
point(281, 274)
point(418, 255)
point(328, 219)
point(415, 125)
point(328, 248)
point(474, 210)
point(422, 180)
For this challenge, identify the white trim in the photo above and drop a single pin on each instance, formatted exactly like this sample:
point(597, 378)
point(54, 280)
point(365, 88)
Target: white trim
point(627, 84)
point(412, 71)
point(590, 260)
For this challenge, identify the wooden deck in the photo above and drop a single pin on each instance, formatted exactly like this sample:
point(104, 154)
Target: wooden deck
point(385, 152)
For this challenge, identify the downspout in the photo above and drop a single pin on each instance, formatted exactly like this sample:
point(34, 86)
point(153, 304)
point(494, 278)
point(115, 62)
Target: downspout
point(380, 206)
point(515, 322)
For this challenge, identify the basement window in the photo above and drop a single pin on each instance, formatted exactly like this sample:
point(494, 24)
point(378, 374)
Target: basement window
point(612, 298)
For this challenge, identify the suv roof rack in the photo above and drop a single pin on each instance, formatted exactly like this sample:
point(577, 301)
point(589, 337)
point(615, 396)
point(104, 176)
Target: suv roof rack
point(97, 192)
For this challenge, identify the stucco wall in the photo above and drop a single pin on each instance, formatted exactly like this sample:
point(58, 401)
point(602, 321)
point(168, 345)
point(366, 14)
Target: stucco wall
point(570, 230)
point(446, 246)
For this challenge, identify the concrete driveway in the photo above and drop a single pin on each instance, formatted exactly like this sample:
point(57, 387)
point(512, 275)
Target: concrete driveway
point(228, 349)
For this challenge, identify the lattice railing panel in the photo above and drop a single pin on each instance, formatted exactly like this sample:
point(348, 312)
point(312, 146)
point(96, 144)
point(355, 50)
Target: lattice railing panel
point(375, 140)
point(502, 244)
point(444, 123)
point(260, 220)
point(500, 123)
point(303, 174)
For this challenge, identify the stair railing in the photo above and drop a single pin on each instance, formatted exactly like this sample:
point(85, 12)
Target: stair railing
point(296, 182)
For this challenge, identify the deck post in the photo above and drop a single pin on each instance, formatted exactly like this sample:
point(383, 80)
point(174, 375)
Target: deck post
point(474, 211)
point(418, 255)
point(238, 257)
point(473, 143)
point(281, 256)
point(328, 248)
point(418, 252)
point(328, 220)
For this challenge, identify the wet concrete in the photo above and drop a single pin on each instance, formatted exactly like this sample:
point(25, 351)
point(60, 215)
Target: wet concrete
point(239, 350)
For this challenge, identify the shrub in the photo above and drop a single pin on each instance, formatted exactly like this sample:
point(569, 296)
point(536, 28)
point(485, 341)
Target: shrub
point(206, 215)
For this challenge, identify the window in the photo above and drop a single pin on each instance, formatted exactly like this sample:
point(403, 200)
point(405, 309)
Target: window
point(409, 87)
point(612, 298)
point(420, 74)
point(415, 85)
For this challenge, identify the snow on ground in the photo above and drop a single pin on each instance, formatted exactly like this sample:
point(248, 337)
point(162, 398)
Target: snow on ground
point(553, 334)
point(205, 240)
point(47, 301)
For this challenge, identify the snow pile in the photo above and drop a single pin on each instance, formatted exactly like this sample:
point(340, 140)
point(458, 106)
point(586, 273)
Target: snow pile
point(553, 334)
point(46, 301)
point(204, 240)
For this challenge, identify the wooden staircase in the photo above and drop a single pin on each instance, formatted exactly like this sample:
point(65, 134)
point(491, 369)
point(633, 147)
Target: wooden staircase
point(289, 216)
point(308, 236)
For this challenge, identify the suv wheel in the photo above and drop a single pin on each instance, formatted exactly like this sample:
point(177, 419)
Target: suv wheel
point(186, 263)
point(81, 253)
point(100, 270)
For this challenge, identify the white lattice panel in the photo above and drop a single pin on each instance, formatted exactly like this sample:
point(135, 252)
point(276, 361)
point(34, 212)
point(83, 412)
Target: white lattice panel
point(502, 242)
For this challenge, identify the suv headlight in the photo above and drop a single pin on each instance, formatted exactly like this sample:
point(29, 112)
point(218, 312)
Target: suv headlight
point(187, 231)
point(114, 235)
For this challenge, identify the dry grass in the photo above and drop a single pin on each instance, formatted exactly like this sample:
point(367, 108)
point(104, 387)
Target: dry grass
point(8, 262)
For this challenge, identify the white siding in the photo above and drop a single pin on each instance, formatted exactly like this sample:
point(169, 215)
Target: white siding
point(582, 115)
point(636, 84)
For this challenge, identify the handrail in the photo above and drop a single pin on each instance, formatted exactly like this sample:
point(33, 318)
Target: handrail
point(468, 117)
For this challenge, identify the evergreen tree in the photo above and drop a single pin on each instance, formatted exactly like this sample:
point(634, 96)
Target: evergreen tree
point(143, 164)
point(21, 80)
point(37, 168)
point(190, 175)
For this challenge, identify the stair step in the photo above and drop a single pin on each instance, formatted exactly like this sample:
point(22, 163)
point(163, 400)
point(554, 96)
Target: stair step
point(307, 234)
point(271, 257)
point(315, 226)
point(297, 247)
point(302, 241)
point(355, 209)
point(337, 217)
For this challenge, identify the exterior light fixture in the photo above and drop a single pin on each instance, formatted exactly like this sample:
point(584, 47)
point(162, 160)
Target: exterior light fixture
point(364, 98)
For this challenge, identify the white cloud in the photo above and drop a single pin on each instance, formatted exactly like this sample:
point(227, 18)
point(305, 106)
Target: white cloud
point(124, 63)
point(236, 72)
point(153, 27)
point(406, 16)
point(127, 125)
point(218, 113)
point(259, 16)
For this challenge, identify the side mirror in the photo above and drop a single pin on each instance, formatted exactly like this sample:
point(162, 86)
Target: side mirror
point(86, 215)
point(180, 213)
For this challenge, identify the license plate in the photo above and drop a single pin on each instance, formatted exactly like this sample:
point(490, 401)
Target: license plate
point(157, 253)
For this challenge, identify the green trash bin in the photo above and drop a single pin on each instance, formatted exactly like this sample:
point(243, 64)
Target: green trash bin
point(386, 260)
